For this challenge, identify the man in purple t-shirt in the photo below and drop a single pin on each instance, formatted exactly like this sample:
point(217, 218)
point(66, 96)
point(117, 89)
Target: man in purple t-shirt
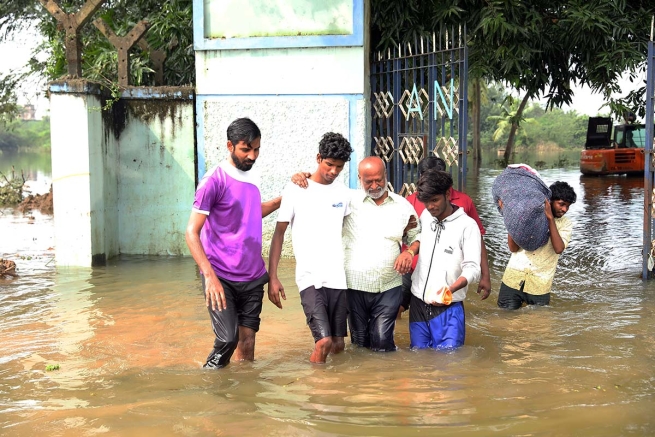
point(224, 236)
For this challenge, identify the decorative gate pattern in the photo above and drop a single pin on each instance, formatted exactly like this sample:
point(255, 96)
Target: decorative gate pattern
point(648, 250)
point(419, 107)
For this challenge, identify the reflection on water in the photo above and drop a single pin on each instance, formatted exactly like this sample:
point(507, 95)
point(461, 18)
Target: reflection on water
point(130, 339)
point(541, 160)
point(34, 168)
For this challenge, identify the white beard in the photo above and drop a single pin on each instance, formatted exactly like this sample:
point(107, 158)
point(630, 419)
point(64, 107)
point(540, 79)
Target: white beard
point(376, 195)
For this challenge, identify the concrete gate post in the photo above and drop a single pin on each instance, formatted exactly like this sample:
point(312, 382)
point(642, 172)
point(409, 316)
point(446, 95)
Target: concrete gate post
point(83, 233)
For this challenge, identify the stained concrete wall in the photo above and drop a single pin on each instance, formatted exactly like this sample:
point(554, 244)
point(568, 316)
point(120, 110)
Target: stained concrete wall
point(122, 178)
point(156, 176)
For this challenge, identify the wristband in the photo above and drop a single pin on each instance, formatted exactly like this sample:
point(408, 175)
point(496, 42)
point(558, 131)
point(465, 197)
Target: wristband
point(411, 251)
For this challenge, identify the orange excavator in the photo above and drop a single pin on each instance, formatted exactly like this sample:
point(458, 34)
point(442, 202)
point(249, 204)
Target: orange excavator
point(613, 151)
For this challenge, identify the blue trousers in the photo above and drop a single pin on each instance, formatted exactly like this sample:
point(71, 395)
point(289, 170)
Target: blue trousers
point(436, 327)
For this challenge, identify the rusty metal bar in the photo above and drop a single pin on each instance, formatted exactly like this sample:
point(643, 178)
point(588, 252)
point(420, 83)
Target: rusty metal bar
point(649, 171)
point(72, 24)
point(123, 44)
point(157, 57)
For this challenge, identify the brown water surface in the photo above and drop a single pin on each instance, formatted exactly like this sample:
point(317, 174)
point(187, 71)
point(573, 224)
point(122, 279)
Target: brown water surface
point(130, 339)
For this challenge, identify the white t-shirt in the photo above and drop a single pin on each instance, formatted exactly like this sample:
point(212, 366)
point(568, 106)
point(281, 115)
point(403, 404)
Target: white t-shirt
point(316, 217)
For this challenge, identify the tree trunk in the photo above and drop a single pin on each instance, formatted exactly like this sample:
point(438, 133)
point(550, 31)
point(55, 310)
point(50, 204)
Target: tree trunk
point(477, 148)
point(514, 128)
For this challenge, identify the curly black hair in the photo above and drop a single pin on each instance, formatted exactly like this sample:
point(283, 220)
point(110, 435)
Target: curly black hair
point(562, 191)
point(432, 183)
point(334, 146)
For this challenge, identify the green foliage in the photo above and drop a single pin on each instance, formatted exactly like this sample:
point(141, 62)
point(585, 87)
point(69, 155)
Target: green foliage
point(538, 47)
point(9, 109)
point(51, 367)
point(567, 130)
point(11, 189)
point(171, 30)
point(509, 115)
point(538, 127)
point(25, 135)
point(18, 16)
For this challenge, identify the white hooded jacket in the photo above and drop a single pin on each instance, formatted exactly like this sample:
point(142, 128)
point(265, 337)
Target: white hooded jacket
point(449, 249)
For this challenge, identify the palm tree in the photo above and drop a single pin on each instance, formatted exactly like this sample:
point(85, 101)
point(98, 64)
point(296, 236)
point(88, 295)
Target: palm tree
point(510, 119)
point(478, 96)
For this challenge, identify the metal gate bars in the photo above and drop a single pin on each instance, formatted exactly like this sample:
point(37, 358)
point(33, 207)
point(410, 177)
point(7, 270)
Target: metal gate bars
point(419, 107)
point(648, 250)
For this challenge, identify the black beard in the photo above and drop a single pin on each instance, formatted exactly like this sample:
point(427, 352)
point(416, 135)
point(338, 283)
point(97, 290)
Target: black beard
point(240, 165)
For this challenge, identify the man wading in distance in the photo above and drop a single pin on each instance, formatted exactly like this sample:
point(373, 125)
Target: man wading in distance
point(529, 275)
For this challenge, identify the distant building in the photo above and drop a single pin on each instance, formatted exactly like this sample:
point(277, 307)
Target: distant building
point(29, 112)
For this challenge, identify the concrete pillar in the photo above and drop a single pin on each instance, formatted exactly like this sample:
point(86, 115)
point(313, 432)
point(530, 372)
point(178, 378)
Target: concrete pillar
point(84, 234)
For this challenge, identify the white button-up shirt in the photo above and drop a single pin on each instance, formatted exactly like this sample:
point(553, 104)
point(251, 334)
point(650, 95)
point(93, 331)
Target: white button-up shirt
point(372, 235)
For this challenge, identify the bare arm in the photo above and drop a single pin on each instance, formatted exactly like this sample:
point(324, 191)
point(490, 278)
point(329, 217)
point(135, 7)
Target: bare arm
point(461, 282)
point(214, 293)
point(484, 286)
point(275, 288)
point(513, 247)
point(555, 238)
point(271, 205)
point(403, 262)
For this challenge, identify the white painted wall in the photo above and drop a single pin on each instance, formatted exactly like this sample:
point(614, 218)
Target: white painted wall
point(78, 180)
point(304, 71)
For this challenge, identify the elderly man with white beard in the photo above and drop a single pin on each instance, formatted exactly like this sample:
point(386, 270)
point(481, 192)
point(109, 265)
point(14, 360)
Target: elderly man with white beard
point(372, 237)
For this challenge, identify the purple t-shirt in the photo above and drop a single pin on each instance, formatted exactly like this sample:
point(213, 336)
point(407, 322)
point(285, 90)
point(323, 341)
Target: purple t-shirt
point(232, 234)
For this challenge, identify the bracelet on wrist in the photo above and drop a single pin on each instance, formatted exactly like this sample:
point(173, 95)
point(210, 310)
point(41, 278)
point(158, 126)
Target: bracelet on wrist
point(411, 252)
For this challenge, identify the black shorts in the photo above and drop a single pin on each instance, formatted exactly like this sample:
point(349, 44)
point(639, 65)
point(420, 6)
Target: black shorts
point(512, 299)
point(244, 302)
point(326, 310)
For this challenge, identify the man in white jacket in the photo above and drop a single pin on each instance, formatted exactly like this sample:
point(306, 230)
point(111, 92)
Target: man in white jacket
point(449, 260)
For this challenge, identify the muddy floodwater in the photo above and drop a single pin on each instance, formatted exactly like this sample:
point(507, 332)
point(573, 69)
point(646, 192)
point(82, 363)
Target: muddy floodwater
point(130, 339)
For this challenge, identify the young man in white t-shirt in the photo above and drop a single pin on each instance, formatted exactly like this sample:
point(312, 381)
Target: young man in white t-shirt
point(316, 216)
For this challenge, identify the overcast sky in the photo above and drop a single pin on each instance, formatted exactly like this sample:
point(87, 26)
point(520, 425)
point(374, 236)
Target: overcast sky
point(15, 55)
point(584, 102)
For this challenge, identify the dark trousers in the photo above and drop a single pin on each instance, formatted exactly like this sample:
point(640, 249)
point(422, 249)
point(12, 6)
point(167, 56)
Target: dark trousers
point(372, 318)
point(244, 305)
point(512, 299)
point(407, 290)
